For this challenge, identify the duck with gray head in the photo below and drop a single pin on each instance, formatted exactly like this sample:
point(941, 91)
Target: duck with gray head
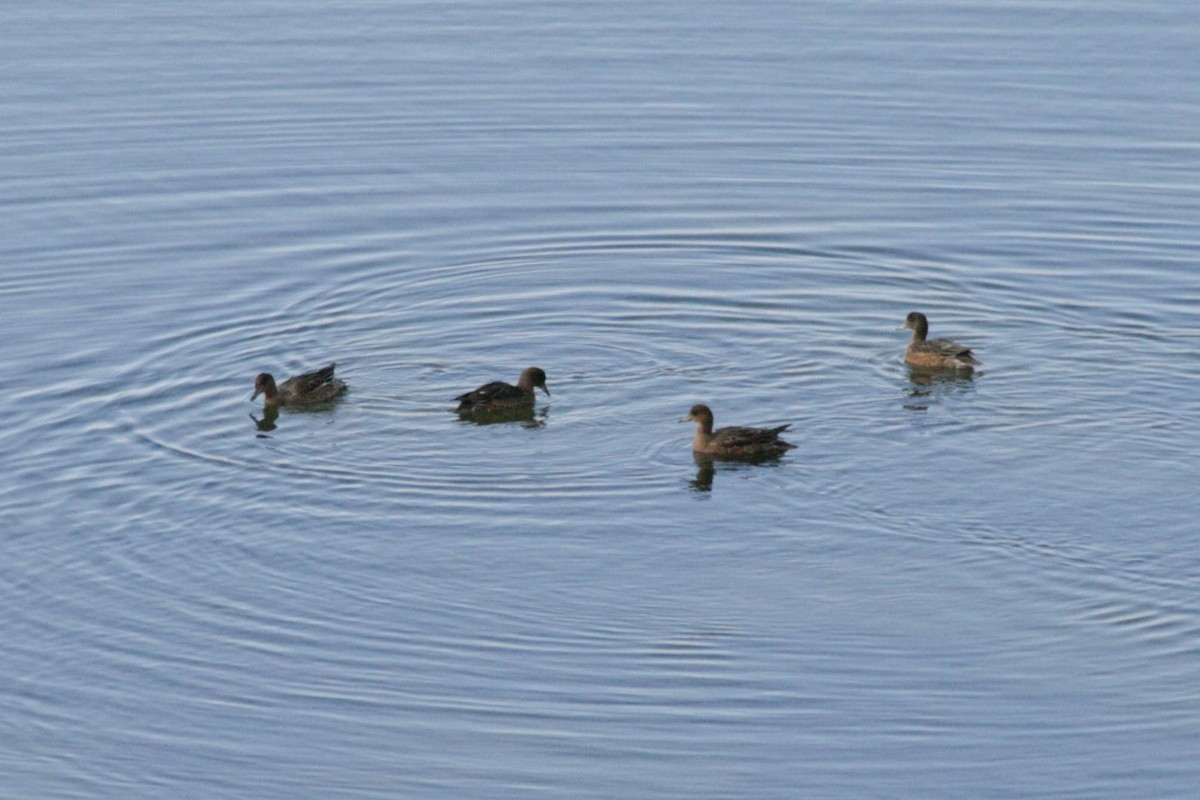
point(318, 386)
point(928, 353)
point(499, 397)
point(735, 442)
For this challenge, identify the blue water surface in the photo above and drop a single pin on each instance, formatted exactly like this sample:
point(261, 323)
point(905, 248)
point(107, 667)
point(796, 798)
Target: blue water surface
point(957, 585)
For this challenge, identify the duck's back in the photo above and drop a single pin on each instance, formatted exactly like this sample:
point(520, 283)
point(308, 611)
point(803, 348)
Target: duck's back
point(491, 395)
point(748, 441)
point(943, 351)
point(312, 387)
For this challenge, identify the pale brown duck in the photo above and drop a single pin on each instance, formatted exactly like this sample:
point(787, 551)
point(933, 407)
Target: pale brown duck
point(735, 442)
point(934, 353)
point(318, 386)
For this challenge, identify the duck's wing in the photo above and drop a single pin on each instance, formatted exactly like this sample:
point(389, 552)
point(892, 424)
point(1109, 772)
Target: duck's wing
point(310, 382)
point(735, 438)
point(493, 392)
point(952, 349)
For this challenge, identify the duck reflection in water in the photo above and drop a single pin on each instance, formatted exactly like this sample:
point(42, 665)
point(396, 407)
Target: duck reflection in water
point(707, 468)
point(270, 414)
point(928, 386)
point(267, 423)
point(528, 416)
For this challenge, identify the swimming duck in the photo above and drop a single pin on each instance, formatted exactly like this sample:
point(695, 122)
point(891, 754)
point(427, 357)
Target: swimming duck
point(934, 353)
point(743, 443)
point(499, 396)
point(311, 387)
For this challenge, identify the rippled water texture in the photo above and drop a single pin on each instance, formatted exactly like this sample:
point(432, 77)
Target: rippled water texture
point(978, 585)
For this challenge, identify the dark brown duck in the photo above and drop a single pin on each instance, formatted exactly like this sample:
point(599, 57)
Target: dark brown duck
point(499, 396)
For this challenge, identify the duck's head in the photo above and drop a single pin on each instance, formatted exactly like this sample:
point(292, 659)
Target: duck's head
point(534, 377)
point(917, 323)
point(263, 384)
point(701, 415)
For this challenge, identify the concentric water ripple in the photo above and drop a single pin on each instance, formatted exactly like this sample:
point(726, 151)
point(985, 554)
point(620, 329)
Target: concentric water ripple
point(624, 348)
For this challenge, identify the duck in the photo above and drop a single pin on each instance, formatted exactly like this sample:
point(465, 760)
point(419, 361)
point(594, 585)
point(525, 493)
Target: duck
point(934, 353)
point(734, 442)
point(317, 386)
point(499, 396)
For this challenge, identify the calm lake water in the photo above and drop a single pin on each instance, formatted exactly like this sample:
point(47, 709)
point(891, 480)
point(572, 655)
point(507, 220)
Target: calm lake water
point(980, 586)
